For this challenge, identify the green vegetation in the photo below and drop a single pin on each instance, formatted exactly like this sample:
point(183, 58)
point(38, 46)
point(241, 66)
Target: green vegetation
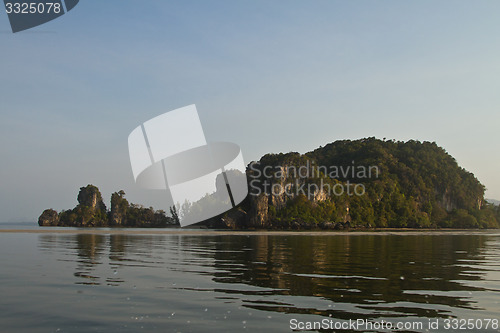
point(412, 185)
point(91, 212)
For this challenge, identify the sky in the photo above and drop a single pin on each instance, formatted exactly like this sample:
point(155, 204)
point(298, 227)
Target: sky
point(271, 76)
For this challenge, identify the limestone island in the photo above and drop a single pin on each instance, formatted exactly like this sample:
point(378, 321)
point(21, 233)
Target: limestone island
point(363, 184)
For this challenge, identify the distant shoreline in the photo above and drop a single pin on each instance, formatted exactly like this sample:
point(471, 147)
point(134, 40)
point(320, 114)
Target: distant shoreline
point(206, 232)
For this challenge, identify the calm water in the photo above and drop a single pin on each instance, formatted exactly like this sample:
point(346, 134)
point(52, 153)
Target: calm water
point(232, 283)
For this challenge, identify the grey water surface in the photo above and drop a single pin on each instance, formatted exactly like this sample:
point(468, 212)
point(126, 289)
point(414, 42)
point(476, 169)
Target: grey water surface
point(52, 282)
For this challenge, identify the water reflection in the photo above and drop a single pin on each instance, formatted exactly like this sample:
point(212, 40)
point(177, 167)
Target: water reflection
point(392, 276)
point(340, 276)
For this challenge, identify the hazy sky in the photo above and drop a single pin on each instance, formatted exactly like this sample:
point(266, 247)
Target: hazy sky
point(272, 76)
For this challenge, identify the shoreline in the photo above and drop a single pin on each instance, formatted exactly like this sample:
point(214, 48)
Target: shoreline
point(213, 232)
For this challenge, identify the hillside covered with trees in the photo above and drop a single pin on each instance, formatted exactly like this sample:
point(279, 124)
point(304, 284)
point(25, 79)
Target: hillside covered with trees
point(399, 185)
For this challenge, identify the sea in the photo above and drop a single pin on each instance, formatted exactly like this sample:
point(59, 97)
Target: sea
point(157, 280)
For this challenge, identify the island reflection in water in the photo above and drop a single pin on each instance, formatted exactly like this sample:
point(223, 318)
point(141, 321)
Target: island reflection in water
point(200, 283)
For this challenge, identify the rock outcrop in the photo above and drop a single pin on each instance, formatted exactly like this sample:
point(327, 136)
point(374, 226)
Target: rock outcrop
point(91, 212)
point(119, 207)
point(49, 218)
point(90, 196)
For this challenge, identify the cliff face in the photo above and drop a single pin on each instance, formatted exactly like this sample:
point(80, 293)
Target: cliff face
point(119, 207)
point(447, 201)
point(90, 211)
point(90, 196)
point(258, 216)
